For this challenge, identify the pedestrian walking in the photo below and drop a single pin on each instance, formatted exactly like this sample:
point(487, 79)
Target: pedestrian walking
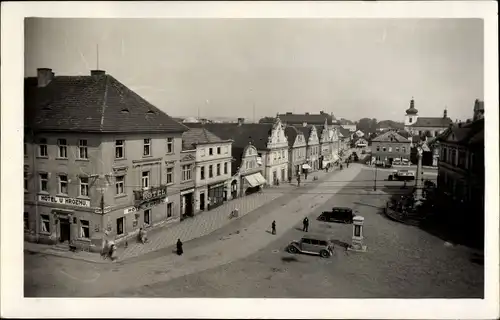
point(298, 180)
point(305, 228)
point(179, 247)
point(273, 227)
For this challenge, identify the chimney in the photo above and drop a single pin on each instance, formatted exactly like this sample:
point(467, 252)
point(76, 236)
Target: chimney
point(304, 124)
point(241, 121)
point(445, 113)
point(95, 73)
point(44, 76)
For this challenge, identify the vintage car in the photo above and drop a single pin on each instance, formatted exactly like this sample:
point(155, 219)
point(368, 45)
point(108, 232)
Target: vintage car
point(402, 175)
point(337, 214)
point(312, 244)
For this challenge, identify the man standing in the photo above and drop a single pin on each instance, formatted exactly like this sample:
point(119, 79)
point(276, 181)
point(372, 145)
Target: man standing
point(305, 223)
point(273, 227)
point(298, 180)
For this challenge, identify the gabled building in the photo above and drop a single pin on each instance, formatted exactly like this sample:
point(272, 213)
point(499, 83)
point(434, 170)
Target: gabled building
point(100, 161)
point(212, 170)
point(344, 139)
point(389, 146)
point(313, 147)
point(297, 150)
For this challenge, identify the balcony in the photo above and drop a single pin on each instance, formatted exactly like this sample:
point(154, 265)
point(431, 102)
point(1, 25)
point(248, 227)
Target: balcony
point(149, 195)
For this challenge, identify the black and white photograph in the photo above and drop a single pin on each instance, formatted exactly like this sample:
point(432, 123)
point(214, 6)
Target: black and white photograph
point(311, 157)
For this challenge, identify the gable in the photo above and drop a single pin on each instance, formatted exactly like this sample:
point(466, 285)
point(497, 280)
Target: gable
point(300, 141)
point(313, 137)
point(277, 138)
point(188, 158)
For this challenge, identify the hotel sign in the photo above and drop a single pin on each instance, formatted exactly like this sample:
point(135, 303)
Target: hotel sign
point(151, 194)
point(66, 201)
point(145, 206)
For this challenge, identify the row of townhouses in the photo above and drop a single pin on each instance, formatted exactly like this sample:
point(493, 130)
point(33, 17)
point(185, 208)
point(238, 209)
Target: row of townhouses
point(101, 161)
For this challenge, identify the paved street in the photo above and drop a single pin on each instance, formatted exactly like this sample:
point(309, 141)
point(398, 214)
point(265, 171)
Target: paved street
point(243, 259)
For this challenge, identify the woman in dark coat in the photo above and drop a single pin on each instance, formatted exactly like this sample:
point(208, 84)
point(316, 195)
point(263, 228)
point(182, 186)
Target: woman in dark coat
point(179, 247)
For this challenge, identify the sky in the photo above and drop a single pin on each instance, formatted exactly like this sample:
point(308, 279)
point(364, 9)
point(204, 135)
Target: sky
point(354, 68)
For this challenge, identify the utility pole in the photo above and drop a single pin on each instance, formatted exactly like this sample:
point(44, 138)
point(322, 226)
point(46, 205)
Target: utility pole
point(375, 179)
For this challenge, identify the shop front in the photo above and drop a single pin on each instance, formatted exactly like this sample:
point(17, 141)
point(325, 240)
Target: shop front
point(216, 195)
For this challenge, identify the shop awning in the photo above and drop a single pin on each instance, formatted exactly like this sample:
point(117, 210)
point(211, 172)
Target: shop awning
point(255, 179)
point(251, 180)
point(306, 166)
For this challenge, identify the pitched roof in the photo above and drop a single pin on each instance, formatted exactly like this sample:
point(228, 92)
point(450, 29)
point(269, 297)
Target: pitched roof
point(292, 118)
point(305, 130)
point(291, 133)
point(97, 103)
point(465, 134)
point(345, 132)
point(195, 136)
point(390, 136)
point(432, 122)
point(242, 135)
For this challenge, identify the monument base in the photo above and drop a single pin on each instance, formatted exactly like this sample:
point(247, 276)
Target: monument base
point(357, 248)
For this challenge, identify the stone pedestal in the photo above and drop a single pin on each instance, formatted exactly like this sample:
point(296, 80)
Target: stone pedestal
point(357, 235)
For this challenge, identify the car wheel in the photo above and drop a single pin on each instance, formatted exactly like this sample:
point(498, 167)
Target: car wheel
point(324, 254)
point(322, 218)
point(292, 249)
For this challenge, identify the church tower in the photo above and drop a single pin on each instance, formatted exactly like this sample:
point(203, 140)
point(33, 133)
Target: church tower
point(411, 114)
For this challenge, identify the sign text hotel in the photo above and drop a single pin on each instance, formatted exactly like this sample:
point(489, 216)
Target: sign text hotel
point(66, 201)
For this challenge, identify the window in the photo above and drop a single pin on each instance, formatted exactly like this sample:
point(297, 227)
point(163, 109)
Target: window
point(218, 169)
point(283, 154)
point(202, 173)
point(63, 148)
point(306, 241)
point(397, 149)
point(26, 221)
point(170, 145)
point(210, 151)
point(403, 149)
point(384, 149)
point(147, 216)
point(82, 149)
point(119, 226)
point(25, 181)
point(378, 148)
point(147, 147)
point(84, 229)
point(63, 184)
point(145, 179)
point(225, 167)
point(186, 173)
point(210, 171)
point(390, 149)
point(44, 181)
point(42, 148)
point(119, 149)
point(170, 209)
point(45, 223)
point(226, 150)
point(218, 150)
point(84, 187)
point(202, 152)
point(120, 185)
point(170, 175)
point(411, 120)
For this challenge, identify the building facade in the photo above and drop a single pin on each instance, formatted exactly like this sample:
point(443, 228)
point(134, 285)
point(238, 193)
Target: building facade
point(276, 154)
point(389, 146)
point(429, 126)
point(213, 167)
point(94, 172)
point(297, 148)
point(248, 177)
point(313, 147)
point(187, 188)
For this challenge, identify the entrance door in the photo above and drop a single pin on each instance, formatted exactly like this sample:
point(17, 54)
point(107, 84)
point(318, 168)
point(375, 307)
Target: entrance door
point(202, 201)
point(188, 209)
point(65, 229)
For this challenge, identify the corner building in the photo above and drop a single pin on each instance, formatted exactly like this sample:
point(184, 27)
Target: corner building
point(100, 161)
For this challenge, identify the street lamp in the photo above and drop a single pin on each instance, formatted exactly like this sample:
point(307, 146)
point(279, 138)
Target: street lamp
point(375, 179)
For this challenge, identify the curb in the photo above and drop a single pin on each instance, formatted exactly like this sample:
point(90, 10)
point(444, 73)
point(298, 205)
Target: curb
point(65, 256)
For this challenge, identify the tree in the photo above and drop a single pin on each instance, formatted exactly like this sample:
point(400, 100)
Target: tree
point(367, 125)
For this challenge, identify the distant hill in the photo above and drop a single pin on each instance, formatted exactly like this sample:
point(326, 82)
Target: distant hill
point(391, 124)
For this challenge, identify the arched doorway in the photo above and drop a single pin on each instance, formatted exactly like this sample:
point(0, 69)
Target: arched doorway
point(234, 189)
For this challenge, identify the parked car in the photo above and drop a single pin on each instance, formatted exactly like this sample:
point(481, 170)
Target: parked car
point(402, 175)
point(338, 214)
point(312, 244)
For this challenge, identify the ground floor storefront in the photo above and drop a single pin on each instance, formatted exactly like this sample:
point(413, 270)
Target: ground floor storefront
point(187, 198)
point(277, 174)
point(216, 195)
point(252, 183)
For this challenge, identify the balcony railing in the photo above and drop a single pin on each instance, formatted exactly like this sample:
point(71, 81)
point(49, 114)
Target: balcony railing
point(150, 194)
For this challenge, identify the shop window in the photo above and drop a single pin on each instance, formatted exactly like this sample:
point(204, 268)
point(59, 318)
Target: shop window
point(62, 148)
point(44, 223)
point(147, 216)
point(42, 148)
point(120, 185)
point(84, 229)
point(119, 149)
point(170, 209)
point(170, 145)
point(82, 149)
point(119, 226)
point(26, 221)
point(170, 175)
